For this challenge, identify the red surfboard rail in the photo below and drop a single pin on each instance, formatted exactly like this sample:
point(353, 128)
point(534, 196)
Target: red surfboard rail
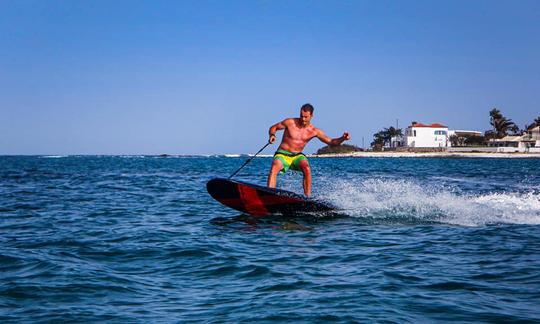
point(262, 201)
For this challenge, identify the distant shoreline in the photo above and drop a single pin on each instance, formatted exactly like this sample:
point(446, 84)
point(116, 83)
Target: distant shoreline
point(340, 155)
point(430, 155)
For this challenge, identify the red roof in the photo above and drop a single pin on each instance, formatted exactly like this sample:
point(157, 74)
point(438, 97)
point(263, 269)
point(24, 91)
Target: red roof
point(434, 125)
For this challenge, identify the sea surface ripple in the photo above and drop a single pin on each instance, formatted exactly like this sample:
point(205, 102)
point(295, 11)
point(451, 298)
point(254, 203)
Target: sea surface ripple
point(138, 239)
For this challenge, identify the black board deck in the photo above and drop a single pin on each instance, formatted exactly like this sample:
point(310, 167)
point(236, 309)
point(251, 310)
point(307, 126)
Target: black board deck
point(263, 201)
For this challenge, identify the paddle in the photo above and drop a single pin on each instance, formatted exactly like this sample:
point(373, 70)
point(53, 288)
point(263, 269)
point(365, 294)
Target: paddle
point(249, 160)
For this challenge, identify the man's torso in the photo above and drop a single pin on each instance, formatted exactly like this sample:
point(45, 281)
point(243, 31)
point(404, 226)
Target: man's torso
point(296, 137)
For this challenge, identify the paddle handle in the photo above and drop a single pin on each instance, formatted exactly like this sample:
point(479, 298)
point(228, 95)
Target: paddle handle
point(248, 160)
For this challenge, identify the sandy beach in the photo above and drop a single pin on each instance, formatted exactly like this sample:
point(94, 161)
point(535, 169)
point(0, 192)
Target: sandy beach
point(431, 155)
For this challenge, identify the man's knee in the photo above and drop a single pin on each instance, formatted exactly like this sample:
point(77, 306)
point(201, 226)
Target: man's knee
point(304, 166)
point(276, 166)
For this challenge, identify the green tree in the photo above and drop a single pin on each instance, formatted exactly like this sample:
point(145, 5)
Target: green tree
point(378, 141)
point(336, 149)
point(535, 123)
point(393, 132)
point(501, 125)
point(473, 140)
point(385, 136)
point(456, 140)
point(494, 114)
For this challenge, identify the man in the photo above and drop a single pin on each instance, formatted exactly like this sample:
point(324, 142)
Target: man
point(298, 132)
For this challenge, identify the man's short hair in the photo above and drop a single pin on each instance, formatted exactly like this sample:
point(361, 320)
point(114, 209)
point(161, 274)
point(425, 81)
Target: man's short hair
point(307, 107)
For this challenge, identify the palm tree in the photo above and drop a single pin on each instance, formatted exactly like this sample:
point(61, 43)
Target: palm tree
point(501, 125)
point(378, 140)
point(494, 114)
point(515, 129)
point(385, 136)
point(393, 131)
point(535, 123)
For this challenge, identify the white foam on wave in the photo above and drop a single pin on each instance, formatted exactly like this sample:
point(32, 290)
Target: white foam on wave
point(131, 156)
point(409, 201)
point(53, 156)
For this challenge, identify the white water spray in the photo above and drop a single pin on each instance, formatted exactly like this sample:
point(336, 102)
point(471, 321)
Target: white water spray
point(406, 201)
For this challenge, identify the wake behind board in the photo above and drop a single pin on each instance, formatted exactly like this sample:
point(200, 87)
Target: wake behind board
point(263, 201)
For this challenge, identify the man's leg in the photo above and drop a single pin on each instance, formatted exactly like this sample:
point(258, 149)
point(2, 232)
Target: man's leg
point(304, 167)
point(272, 177)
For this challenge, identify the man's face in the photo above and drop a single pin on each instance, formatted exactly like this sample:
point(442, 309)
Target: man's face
point(305, 117)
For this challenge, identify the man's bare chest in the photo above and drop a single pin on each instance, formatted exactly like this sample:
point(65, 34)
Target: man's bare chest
point(296, 133)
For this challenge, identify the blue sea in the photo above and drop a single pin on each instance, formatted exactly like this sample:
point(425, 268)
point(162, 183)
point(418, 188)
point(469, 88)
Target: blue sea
point(138, 239)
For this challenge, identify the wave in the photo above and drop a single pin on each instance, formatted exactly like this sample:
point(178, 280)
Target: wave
point(384, 200)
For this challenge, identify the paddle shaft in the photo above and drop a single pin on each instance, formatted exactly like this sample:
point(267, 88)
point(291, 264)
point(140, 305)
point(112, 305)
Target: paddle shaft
point(249, 160)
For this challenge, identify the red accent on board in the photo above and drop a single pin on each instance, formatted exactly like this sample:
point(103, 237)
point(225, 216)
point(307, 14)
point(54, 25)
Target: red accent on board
point(279, 200)
point(252, 201)
point(267, 201)
point(235, 203)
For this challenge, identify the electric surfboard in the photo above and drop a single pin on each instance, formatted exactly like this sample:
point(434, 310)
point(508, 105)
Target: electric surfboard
point(262, 201)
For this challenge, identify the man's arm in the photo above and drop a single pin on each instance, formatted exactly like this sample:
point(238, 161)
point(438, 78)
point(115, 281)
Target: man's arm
point(332, 141)
point(272, 131)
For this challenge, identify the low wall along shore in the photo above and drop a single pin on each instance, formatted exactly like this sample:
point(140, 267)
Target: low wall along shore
point(472, 152)
point(482, 149)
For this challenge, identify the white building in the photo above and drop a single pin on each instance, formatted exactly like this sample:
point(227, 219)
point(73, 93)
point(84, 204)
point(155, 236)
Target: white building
point(528, 142)
point(396, 141)
point(461, 136)
point(423, 135)
point(464, 133)
point(535, 135)
point(531, 138)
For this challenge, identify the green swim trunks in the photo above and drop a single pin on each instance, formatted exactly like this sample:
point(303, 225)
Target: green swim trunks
point(289, 160)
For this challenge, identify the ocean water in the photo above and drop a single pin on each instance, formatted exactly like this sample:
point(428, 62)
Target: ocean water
point(138, 239)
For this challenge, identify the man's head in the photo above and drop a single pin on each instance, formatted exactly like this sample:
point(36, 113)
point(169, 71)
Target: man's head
point(306, 112)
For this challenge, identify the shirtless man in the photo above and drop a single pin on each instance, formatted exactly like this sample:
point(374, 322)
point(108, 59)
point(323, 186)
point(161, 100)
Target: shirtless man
point(298, 132)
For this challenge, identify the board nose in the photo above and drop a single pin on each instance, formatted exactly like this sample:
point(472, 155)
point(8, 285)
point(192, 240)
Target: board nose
point(215, 187)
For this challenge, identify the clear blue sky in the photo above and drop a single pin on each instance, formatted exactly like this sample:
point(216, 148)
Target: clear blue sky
point(210, 77)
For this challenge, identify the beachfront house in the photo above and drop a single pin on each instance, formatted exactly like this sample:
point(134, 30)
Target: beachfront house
point(507, 141)
point(528, 142)
point(426, 135)
point(535, 135)
point(531, 139)
point(396, 141)
point(462, 137)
